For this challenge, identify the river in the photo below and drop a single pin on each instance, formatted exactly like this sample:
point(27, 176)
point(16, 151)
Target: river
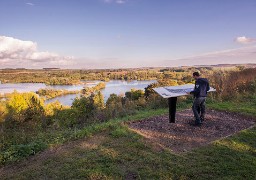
point(114, 86)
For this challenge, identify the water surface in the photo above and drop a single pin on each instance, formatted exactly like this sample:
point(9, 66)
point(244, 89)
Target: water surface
point(115, 86)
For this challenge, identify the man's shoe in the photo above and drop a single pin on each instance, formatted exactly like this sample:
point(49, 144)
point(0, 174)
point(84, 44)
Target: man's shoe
point(198, 124)
point(202, 119)
point(195, 124)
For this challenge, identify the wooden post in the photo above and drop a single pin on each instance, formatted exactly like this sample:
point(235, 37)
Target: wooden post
point(172, 108)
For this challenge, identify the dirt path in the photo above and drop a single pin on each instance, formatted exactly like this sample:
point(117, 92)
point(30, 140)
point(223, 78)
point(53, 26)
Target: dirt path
point(183, 137)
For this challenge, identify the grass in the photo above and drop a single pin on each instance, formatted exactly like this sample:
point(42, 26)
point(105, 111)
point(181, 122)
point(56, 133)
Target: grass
point(120, 154)
point(112, 151)
point(244, 105)
point(21, 143)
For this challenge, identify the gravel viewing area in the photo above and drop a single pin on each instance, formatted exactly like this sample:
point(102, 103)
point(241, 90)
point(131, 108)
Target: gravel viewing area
point(182, 136)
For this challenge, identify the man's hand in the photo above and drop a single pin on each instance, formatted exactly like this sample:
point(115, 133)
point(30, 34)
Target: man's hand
point(188, 92)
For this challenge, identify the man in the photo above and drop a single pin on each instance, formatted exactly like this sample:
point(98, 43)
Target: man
point(200, 94)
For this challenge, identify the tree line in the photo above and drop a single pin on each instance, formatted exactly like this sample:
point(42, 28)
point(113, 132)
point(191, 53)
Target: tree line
point(69, 77)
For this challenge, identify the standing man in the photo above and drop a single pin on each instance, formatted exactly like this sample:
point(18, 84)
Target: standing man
point(200, 94)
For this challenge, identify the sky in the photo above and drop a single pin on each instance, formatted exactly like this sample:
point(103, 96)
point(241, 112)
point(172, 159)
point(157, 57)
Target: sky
point(84, 34)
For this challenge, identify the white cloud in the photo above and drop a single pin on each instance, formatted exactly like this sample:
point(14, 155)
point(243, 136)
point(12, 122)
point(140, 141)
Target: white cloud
point(13, 51)
point(245, 40)
point(116, 1)
point(120, 1)
point(230, 56)
point(30, 4)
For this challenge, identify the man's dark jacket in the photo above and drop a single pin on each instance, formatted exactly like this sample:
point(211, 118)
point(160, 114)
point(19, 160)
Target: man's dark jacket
point(201, 88)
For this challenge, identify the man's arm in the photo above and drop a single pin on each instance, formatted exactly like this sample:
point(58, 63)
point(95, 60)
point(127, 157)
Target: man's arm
point(208, 86)
point(196, 90)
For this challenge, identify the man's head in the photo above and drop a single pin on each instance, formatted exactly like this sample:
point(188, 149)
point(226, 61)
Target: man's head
point(196, 75)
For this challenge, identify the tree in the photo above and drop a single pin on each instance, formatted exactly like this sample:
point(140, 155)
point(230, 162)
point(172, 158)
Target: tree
point(25, 107)
point(134, 94)
point(113, 99)
point(149, 89)
point(2, 111)
point(98, 100)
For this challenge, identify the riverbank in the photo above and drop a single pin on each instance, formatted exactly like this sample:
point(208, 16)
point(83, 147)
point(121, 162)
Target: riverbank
point(52, 93)
point(112, 87)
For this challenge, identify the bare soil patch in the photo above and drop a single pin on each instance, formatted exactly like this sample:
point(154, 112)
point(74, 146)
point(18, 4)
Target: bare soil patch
point(182, 136)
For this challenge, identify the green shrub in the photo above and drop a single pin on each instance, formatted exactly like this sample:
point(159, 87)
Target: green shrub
point(134, 94)
point(17, 152)
point(67, 118)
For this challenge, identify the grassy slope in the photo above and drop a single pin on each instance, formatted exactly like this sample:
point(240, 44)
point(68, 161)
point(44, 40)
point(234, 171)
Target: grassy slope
point(243, 105)
point(124, 154)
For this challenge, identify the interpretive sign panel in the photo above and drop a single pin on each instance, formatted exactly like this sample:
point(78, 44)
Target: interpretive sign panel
point(175, 91)
point(172, 92)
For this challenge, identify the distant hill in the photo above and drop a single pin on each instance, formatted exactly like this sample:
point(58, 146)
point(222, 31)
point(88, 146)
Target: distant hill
point(249, 65)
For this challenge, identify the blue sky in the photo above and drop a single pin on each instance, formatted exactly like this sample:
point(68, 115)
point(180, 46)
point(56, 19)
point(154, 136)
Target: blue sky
point(126, 33)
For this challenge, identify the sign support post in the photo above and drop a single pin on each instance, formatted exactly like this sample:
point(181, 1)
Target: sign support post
point(172, 101)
